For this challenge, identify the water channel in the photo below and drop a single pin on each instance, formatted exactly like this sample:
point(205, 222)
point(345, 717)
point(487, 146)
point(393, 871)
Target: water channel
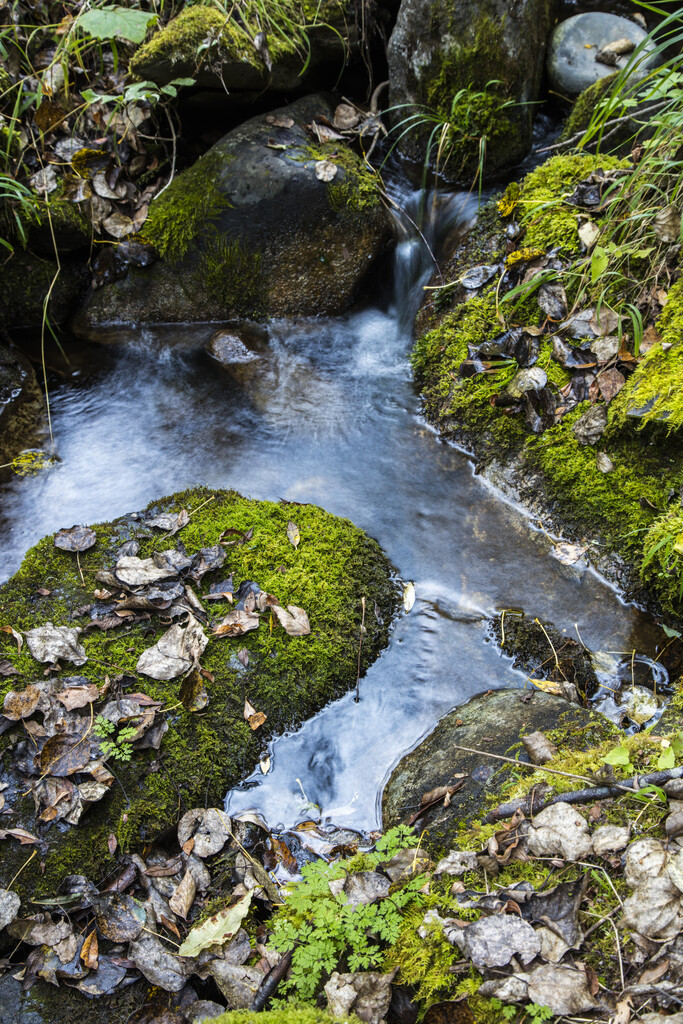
point(328, 415)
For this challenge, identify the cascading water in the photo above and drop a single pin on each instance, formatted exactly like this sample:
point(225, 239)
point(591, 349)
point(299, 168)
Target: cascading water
point(329, 415)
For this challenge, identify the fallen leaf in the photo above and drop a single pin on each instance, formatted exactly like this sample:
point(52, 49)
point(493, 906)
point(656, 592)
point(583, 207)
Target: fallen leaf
point(265, 766)
point(171, 522)
point(560, 831)
point(193, 693)
point(279, 121)
point(183, 896)
point(294, 621)
point(50, 643)
point(209, 828)
point(22, 704)
point(346, 117)
point(568, 554)
point(325, 170)
point(367, 994)
point(493, 941)
point(120, 918)
point(78, 696)
point(216, 930)
point(589, 233)
point(175, 652)
point(77, 538)
point(293, 534)
point(24, 837)
point(112, 843)
point(7, 668)
point(610, 383)
point(89, 951)
point(408, 596)
point(236, 623)
point(667, 224)
point(17, 636)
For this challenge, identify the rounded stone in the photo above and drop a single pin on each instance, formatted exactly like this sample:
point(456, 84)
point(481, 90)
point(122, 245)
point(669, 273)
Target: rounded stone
point(227, 347)
point(571, 62)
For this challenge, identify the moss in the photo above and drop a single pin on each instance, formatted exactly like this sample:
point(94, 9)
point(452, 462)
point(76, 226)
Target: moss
point(358, 187)
point(424, 964)
point(585, 106)
point(295, 1013)
point(233, 275)
point(662, 565)
point(187, 208)
point(183, 40)
point(549, 221)
point(204, 754)
point(654, 393)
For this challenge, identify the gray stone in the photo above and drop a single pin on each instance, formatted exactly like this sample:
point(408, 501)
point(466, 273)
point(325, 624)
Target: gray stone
point(227, 347)
point(274, 239)
point(590, 427)
point(491, 723)
point(571, 62)
point(436, 49)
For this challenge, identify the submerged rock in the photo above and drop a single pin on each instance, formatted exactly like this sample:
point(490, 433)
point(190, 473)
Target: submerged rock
point(197, 743)
point(574, 44)
point(251, 230)
point(21, 404)
point(492, 723)
point(229, 347)
point(437, 50)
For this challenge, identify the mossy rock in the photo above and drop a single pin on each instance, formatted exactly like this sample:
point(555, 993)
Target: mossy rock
point(492, 723)
point(25, 281)
point(203, 754)
point(440, 52)
point(542, 651)
point(312, 58)
point(303, 1014)
point(552, 473)
point(251, 231)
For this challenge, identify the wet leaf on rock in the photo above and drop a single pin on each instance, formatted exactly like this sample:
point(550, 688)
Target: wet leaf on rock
point(408, 596)
point(175, 653)
point(120, 918)
point(140, 572)
point(50, 643)
point(610, 383)
point(590, 427)
point(78, 696)
point(208, 827)
point(346, 117)
point(216, 930)
point(105, 980)
point(118, 225)
point(565, 990)
point(89, 951)
point(7, 668)
point(171, 522)
point(77, 538)
point(367, 994)
point(183, 896)
point(493, 941)
point(254, 717)
point(279, 121)
point(205, 560)
point(566, 553)
point(21, 704)
point(67, 752)
point(552, 300)
point(476, 277)
point(364, 887)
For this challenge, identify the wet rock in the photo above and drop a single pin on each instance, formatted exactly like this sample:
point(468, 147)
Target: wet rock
point(490, 723)
point(250, 231)
point(527, 380)
point(229, 348)
point(529, 642)
point(573, 46)
point(437, 49)
point(21, 404)
point(25, 280)
point(590, 427)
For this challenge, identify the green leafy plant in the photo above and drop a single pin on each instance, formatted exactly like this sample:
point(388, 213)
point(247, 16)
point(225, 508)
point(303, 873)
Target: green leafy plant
point(116, 741)
point(326, 933)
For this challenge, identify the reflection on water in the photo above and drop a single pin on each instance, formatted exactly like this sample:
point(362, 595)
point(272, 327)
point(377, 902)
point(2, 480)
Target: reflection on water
point(328, 415)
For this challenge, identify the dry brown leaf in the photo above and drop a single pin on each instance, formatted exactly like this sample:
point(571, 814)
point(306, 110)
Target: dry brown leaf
point(610, 383)
point(236, 623)
point(89, 951)
point(294, 621)
point(21, 704)
point(17, 636)
point(78, 696)
point(183, 896)
point(24, 837)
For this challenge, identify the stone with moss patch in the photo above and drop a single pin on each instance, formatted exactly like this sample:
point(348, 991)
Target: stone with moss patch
point(251, 231)
point(292, 1014)
point(446, 56)
point(202, 754)
point(308, 44)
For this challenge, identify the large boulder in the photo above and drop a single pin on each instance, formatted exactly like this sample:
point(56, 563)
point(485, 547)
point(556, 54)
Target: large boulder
point(492, 723)
point(256, 227)
point(445, 56)
point(198, 742)
point(576, 42)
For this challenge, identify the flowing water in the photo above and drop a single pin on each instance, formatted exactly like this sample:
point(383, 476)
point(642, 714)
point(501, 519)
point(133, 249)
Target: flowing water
point(328, 415)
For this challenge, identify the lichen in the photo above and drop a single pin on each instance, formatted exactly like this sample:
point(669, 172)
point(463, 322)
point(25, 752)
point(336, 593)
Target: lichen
point(204, 754)
point(189, 206)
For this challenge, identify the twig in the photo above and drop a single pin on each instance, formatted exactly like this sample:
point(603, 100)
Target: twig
point(360, 646)
point(557, 660)
point(522, 764)
point(582, 796)
point(614, 123)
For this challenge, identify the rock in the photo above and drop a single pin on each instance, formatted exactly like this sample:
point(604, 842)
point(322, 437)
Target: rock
point(233, 66)
point(436, 50)
point(201, 756)
point(492, 723)
point(590, 427)
point(25, 280)
point(250, 231)
point(21, 404)
point(571, 62)
point(228, 348)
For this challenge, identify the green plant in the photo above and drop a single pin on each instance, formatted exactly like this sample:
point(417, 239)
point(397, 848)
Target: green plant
point(116, 741)
point(324, 931)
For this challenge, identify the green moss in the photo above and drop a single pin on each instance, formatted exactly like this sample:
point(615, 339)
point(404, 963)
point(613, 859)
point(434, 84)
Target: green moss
point(295, 1013)
point(654, 393)
point(358, 187)
point(204, 754)
point(179, 41)
point(662, 565)
point(585, 105)
point(458, 66)
point(549, 221)
point(232, 274)
point(188, 207)
point(424, 964)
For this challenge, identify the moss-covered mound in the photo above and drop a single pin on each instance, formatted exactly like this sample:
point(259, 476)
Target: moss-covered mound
point(625, 498)
point(206, 751)
point(304, 1014)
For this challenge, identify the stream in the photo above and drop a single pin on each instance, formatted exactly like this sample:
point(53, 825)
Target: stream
point(329, 415)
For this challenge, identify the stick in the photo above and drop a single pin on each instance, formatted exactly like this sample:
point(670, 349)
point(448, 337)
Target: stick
point(615, 122)
point(360, 646)
point(582, 796)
